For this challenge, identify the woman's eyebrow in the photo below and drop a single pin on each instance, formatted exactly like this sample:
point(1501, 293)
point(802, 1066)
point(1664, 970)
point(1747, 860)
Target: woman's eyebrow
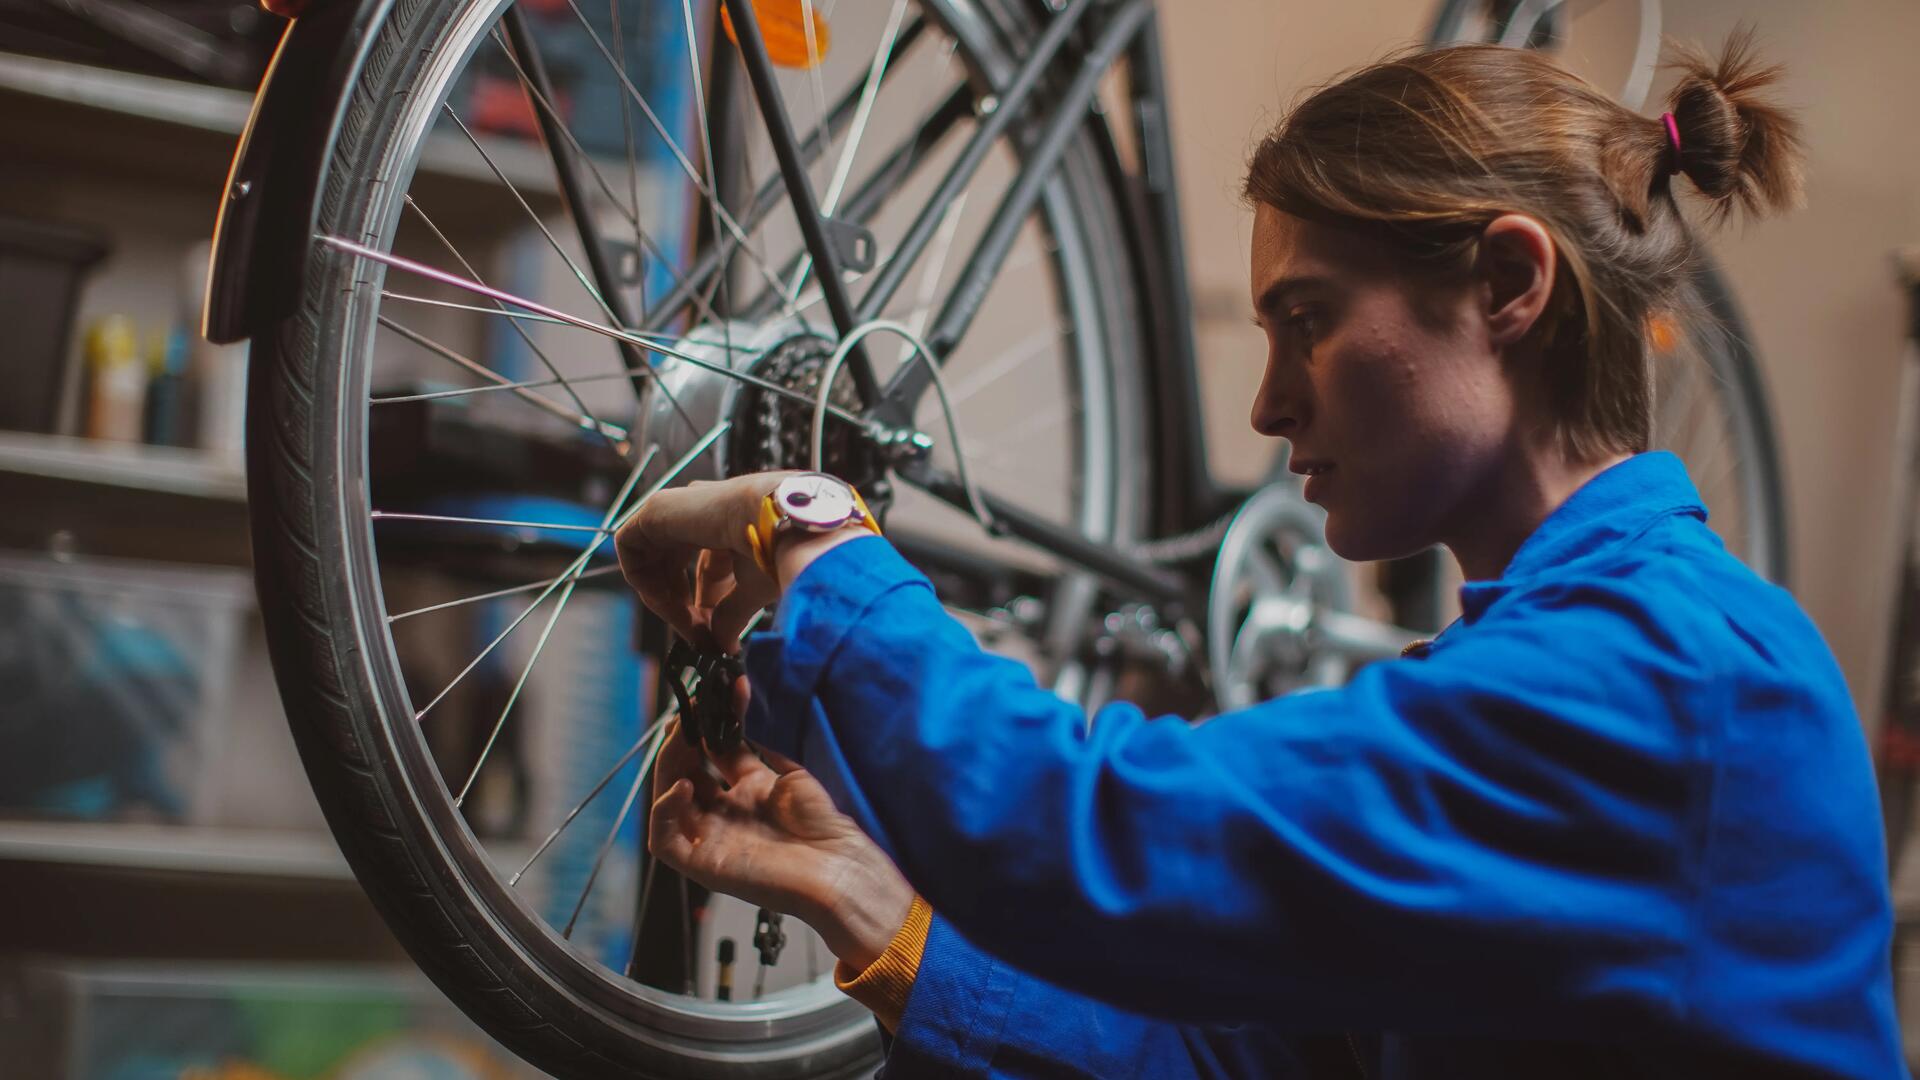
point(1275, 295)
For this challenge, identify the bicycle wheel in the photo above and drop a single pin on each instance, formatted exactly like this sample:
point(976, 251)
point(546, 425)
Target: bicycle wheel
point(1710, 398)
point(416, 509)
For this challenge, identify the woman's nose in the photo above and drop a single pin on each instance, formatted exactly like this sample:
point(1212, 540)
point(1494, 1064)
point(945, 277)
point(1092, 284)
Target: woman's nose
point(1276, 413)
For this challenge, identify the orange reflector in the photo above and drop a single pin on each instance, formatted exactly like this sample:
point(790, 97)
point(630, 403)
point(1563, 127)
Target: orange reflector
point(783, 23)
point(1663, 333)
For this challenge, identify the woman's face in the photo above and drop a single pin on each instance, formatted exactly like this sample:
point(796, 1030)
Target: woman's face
point(1388, 386)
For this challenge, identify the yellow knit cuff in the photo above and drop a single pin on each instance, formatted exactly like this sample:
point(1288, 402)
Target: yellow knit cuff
point(886, 983)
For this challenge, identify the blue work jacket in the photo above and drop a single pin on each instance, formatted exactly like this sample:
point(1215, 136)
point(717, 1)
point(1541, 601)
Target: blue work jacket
point(1618, 821)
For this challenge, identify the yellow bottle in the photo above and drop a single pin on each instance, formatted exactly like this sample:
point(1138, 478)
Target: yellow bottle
point(116, 380)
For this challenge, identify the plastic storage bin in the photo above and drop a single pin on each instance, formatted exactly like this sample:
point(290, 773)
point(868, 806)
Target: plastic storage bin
point(41, 265)
point(121, 1021)
point(117, 677)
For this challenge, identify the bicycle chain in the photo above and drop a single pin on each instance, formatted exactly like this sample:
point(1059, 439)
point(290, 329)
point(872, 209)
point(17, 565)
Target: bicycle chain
point(1187, 546)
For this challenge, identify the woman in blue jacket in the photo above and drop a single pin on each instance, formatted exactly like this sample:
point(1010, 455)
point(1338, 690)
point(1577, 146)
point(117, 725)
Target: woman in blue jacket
point(1617, 821)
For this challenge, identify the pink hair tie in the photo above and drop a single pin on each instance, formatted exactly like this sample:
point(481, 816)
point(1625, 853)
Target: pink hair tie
point(1673, 140)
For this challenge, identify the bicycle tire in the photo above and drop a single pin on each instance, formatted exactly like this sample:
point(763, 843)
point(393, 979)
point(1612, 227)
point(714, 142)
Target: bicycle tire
point(332, 663)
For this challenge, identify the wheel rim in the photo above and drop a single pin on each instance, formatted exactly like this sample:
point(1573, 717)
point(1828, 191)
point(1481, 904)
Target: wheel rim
point(806, 1020)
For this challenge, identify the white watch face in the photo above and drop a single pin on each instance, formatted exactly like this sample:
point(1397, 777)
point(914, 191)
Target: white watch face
point(815, 501)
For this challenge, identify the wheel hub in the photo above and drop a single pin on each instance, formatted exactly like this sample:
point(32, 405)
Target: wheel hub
point(770, 430)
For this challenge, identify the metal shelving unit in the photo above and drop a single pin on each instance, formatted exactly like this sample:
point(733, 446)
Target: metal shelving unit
point(195, 849)
point(133, 466)
point(188, 849)
point(217, 111)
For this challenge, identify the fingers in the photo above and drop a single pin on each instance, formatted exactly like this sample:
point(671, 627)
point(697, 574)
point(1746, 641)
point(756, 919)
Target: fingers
point(703, 514)
point(705, 520)
point(674, 762)
point(670, 825)
point(777, 761)
point(658, 574)
point(681, 760)
point(713, 578)
point(730, 617)
point(739, 765)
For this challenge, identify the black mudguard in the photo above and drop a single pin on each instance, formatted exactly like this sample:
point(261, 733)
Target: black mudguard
point(269, 210)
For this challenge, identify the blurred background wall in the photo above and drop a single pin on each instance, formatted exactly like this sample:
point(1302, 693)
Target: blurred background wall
point(1818, 287)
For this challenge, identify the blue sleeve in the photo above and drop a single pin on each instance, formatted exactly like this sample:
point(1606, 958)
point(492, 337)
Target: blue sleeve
point(1524, 804)
point(973, 1016)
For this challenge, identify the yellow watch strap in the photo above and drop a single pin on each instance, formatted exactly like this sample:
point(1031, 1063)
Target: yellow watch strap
point(760, 534)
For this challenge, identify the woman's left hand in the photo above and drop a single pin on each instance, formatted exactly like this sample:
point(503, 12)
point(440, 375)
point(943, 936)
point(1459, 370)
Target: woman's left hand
point(772, 837)
point(703, 525)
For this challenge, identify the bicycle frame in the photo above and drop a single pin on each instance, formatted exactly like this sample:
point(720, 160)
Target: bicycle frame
point(271, 205)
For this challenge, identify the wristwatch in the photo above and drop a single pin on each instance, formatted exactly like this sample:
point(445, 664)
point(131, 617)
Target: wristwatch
point(810, 503)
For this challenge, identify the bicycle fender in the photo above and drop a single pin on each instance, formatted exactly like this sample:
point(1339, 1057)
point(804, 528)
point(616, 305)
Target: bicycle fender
point(271, 204)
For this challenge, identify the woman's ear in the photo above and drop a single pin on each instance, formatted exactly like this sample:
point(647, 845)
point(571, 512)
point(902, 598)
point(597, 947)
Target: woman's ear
point(1516, 261)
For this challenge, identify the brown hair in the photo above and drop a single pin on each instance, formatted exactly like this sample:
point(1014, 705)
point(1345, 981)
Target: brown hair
point(1426, 148)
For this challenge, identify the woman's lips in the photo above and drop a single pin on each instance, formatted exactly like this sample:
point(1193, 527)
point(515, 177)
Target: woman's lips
point(1318, 474)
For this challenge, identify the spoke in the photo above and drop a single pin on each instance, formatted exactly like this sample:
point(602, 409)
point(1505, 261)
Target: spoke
point(502, 313)
point(1043, 153)
point(498, 593)
point(539, 353)
point(812, 299)
point(813, 63)
point(626, 132)
point(383, 515)
point(573, 582)
point(639, 744)
point(995, 450)
point(632, 216)
point(578, 274)
point(930, 279)
point(613, 832)
point(535, 306)
point(979, 144)
point(869, 92)
point(704, 127)
point(806, 210)
point(389, 294)
point(582, 559)
point(769, 194)
point(528, 61)
point(1006, 362)
point(470, 391)
point(864, 113)
point(900, 163)
point(616, 435)
point(1027, 426)
point(679, 155)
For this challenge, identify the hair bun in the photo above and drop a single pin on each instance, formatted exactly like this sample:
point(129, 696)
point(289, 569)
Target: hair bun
point(1739, 147)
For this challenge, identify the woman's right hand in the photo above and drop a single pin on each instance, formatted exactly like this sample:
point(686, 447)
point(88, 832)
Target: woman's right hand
point(774, 838)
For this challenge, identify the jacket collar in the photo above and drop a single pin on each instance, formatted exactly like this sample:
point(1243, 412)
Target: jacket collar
point(1613, 507)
